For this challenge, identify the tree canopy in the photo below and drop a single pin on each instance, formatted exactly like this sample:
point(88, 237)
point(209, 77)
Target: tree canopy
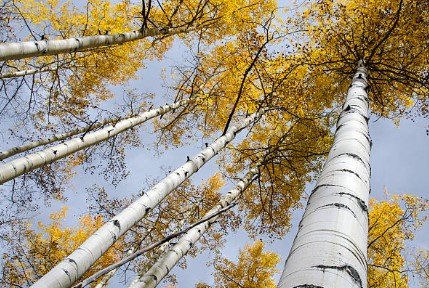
point(258, 84)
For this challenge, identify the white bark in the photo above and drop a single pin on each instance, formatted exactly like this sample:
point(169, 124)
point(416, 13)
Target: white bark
point(77, 263)
point(26, 72)
point(21, 50)
point(330, 248)
point(55, 138)
point(30, 162)
point(136, 254)
point(164, 265)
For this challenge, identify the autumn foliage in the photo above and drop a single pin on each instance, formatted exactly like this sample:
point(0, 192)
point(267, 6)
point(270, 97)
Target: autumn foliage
point(242, 57)
point(393, 223)
point(38, 250)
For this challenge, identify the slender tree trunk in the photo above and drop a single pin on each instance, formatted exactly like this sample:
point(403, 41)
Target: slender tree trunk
point(21, 50)
point(77, 263)
point(55, 138)
point(136, 254)
point(30, 162)
point(164, 265)
point(330, 249)
point(26, 72)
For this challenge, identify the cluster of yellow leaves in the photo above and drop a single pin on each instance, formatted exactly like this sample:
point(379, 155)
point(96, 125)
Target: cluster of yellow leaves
point(36, 251)
point(65, 18)
point(389, 35)
point(114, 66)
point(255, 269)
point(291, 137)
point(392, 223)
point(237, 74)
point(80, 81)
point(288, 150)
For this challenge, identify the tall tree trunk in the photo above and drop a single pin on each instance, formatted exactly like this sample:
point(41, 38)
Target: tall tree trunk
point(330, 249)
point(57, 137)
point(22, 165)
point(152, 246)
point(77, 263)
point(21, 50)
point(164, 265)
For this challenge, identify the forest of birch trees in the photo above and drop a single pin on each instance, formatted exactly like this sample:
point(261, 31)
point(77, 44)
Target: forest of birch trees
point(260, 110)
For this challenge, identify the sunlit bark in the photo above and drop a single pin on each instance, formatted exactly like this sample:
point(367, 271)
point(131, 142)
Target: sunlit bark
point(330, 249)
point(21, 50)
point(30, 162)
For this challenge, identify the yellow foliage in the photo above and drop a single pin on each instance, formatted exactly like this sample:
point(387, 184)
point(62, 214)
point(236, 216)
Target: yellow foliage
point(80, 80)
point(39, 250)
point(388, 35)
point(255, 269)
point(392, 222)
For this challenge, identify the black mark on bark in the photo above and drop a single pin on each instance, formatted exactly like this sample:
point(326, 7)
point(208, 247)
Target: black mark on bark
point(340, 206)
point(352, 272)
point(360, 201)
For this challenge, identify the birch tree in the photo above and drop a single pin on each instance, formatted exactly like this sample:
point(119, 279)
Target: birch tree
point(268, 196)
point(74, 84)
point(19, 166)
point(158, 20)
point(330, 248)
point(169, 217)
point(39, 249)
point(71, 94)
point(56, 138)
point(389, 35)
point(239, 73)
point(341, 34)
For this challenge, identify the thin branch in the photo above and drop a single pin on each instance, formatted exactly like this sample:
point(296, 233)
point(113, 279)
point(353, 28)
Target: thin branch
point(240, 91)
point(387, 34)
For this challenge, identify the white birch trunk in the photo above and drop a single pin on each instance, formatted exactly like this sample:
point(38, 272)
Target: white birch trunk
point(330, 248)
point(136, 254)
point(48, 68)
point(21, 50)
point(164, 265)
point(55, 138)
point(76, 264)
point(22, 165)
point(26, 72)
